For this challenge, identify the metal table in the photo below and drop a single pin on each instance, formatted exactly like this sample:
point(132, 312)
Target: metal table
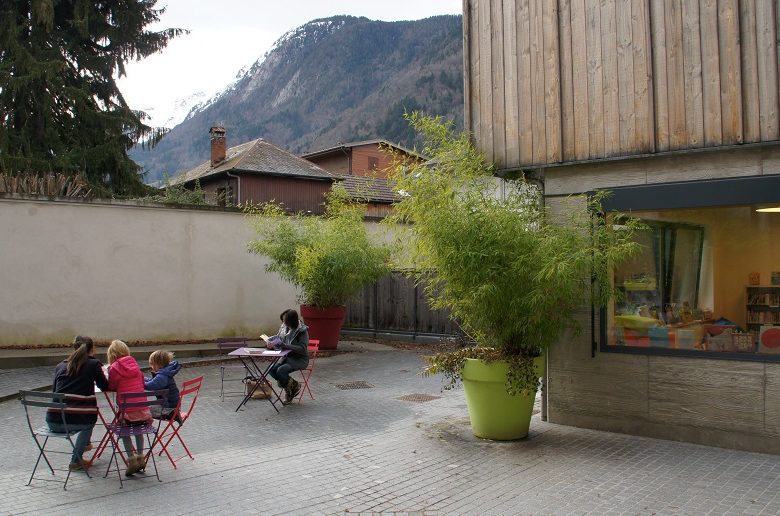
point(253, 360)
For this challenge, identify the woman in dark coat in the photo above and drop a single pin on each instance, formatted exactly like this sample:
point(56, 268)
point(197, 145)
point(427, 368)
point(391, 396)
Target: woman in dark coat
point(77, 377)
point(297, 341)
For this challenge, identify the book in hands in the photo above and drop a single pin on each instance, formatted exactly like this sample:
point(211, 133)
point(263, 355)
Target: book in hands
point(273, 341)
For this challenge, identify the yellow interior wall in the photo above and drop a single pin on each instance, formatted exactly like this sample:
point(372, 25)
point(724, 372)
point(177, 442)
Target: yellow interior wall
point(737, 241)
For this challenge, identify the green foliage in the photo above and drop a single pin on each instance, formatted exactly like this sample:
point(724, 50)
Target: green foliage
point(178, 194)
point(522, 377)
point(510, 274)
point(329, 258)
point(60, 108)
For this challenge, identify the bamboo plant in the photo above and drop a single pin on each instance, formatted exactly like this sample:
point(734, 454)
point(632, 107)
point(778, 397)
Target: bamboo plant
point(328, 258)
point(511, 275)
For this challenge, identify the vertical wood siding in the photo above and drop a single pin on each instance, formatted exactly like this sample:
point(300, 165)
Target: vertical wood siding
point(361, 164)
point(297, 195)
point(551, 81)
point(395, 304)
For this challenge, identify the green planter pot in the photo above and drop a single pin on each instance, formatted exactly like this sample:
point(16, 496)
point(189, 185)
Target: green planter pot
point(494, 413)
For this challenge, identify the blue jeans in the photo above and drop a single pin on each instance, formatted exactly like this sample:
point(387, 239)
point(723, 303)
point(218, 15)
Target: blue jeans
point(82, 437)
point(281, 373)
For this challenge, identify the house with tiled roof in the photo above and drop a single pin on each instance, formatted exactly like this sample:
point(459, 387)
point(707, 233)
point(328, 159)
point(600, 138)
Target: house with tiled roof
point(258, 171)
point(363, 168)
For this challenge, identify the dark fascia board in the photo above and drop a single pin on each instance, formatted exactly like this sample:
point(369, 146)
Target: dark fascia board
point(347, 147)
point(325, 152)
point(219, 175)
point(694, 194)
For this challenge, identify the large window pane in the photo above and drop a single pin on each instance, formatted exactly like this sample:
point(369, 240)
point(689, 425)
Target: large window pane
point(689, 288)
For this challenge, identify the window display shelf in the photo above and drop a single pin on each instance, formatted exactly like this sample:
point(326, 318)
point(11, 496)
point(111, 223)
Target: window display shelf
point(762, 305)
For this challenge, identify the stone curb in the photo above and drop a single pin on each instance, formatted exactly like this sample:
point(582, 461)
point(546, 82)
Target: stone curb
point(192, 363)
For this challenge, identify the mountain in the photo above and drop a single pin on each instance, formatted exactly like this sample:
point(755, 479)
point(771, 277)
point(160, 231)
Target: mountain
point(330, 81)
point(178, 111)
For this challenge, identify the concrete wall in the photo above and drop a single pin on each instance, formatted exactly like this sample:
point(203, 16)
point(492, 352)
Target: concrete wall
point(113, 269)
point(727, 403)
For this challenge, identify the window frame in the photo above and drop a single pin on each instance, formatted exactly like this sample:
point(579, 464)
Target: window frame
point(707, 193)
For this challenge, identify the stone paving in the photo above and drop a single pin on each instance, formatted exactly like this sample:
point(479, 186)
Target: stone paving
point(369, 451)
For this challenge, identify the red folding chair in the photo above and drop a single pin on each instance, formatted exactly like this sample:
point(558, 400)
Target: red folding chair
point(314, 347)
point(189, 391)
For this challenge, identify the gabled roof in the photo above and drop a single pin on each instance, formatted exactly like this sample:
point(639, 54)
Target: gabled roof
point(373, 189)
point(344, 146)
point(257, 156)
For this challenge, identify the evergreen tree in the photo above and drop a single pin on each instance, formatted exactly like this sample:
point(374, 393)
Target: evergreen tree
point(60, 108)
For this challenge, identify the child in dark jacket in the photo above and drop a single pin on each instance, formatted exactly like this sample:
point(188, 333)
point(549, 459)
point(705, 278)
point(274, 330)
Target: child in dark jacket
point(164, 368)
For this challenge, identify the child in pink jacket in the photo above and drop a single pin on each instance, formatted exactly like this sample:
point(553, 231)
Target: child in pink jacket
point(124, 375)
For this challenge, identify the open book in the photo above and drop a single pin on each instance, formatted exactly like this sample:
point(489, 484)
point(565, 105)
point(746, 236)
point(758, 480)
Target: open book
point(273, 341)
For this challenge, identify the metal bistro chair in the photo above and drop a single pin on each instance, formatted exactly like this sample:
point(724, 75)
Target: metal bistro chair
point(314, 348)
point(52, 402)
point(129, 402)
point(225, 345)
point(189, 389)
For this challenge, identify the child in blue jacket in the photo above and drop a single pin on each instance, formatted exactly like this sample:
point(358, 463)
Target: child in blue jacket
point(164, 368)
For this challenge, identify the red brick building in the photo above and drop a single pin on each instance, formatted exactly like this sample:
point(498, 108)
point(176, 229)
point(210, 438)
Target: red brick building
point(363, 168)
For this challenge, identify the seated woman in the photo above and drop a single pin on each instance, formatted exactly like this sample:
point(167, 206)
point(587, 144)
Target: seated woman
point(296, 339)
point(77, 376)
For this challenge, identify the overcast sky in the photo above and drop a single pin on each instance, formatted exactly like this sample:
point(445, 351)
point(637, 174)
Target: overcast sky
point(229, 35)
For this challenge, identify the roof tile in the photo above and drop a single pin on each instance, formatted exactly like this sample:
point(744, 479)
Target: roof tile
point(258, 156)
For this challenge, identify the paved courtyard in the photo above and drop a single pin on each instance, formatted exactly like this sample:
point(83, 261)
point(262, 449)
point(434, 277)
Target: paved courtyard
point(369, 450)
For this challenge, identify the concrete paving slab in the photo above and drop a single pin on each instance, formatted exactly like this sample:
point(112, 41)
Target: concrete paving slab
point(371, 450)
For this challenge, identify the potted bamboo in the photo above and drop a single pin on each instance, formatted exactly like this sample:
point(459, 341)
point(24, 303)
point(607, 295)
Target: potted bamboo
point(329, 258)
point(510, 275)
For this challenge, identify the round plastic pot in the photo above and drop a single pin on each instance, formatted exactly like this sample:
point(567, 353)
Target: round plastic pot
point(495, 414)
point(324, 324)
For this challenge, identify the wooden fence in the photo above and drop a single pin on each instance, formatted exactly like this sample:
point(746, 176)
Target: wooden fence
point(394, 304)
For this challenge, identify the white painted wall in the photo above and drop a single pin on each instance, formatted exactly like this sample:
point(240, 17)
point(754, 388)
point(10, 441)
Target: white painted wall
point(113, 269)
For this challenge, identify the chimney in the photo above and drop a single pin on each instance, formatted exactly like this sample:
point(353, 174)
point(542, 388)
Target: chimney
point(217, 145)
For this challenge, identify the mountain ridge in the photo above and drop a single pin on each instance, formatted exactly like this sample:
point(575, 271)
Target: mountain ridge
point(330, 81)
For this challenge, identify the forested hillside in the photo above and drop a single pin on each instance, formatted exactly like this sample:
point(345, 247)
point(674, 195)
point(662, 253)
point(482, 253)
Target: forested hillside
point(330, 81)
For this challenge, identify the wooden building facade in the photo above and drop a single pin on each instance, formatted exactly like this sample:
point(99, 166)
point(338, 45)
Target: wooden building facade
point(557, 81)
point(256, 172)
point(672, 105)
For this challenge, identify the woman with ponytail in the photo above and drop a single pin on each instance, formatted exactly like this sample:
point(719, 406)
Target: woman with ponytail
point(77, 376)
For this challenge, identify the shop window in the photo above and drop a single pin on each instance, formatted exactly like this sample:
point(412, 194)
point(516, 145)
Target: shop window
point(706, 282)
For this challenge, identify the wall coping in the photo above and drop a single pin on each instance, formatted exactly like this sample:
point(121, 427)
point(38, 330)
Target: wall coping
point(124, 203)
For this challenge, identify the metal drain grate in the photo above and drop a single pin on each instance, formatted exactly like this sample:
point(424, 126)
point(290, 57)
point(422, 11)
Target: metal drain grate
point(419, 398)
point(360, 384)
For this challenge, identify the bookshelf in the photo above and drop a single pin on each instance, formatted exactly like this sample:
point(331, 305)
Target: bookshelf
point(762, 306)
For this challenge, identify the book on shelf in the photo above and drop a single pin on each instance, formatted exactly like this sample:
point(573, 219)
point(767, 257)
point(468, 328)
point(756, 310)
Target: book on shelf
point(765, 298)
